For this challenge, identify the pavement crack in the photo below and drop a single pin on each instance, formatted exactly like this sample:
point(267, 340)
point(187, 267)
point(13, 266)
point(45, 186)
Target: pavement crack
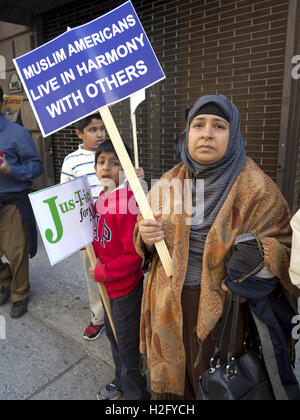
point(57, 378)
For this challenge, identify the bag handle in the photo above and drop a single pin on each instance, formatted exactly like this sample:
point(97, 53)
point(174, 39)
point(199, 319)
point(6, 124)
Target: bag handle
point(231, 368)
point(215, 361)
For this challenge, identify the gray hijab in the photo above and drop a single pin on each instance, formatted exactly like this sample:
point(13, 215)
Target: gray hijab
point(218, 181)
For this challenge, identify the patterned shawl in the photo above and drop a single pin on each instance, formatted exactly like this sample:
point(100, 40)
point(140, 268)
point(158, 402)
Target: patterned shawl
point(254, 204)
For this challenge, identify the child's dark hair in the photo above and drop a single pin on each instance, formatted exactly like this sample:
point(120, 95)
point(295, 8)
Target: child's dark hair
point(1, 95)
point(81, 124)
point(108, 147)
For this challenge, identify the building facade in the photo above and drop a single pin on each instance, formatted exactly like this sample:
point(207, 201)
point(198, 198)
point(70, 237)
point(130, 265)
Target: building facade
point(244, 49)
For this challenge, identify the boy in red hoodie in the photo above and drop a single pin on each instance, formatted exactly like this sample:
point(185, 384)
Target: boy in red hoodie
point(119, 267)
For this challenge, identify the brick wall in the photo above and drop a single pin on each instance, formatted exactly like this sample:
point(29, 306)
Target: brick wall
point(232, 47)
point(237, 48)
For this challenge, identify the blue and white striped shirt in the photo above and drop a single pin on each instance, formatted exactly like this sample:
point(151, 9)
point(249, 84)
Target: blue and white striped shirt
point(80, 163)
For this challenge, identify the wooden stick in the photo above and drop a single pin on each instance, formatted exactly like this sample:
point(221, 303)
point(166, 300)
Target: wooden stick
point(135, 143)
point(103, 292)
point(134, 184)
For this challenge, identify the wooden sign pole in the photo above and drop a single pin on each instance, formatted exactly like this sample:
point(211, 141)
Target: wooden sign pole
point(134, 183)
point(135, 144)
point(102, 289)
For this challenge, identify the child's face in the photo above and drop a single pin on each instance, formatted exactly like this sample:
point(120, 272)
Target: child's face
point(93, 135)
point(109, 171)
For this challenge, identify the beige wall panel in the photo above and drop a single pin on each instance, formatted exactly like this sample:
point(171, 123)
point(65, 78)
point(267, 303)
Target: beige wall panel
point(39, 183)
point(23, 44)
point(7, 52)
point(9, 29)
point(28, 117)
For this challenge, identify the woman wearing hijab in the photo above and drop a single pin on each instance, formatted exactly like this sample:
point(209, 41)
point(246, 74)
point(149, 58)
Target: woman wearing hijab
point(180, 314)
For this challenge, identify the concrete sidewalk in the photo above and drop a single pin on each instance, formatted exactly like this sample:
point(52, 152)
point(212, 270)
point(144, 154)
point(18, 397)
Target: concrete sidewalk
point(44, 356)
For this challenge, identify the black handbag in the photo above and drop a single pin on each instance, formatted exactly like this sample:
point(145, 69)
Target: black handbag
point(243, 378)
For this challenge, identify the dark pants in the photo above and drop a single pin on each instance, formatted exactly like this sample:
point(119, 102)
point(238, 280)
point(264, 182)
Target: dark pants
point(125, 312)
point(13, 244)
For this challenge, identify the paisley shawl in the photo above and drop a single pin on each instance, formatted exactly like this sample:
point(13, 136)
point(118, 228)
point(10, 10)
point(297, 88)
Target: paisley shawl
point(254, 204)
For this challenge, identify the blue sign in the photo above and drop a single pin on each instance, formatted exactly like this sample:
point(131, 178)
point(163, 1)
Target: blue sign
point(89, 67)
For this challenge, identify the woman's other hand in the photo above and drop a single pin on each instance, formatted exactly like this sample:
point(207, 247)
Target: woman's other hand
point(224, 287)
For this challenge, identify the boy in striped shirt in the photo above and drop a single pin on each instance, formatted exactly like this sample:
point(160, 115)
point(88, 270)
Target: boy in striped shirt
point(91, 131)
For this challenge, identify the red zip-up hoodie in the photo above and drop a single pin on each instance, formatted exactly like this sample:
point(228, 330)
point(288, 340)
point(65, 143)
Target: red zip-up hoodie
point(120, 265)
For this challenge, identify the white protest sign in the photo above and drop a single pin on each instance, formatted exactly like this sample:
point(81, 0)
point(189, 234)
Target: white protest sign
point(65, 217)
point(136, 99)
